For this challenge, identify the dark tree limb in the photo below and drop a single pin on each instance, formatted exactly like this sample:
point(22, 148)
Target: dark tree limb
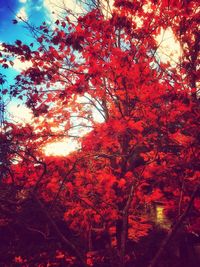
point(60, 235)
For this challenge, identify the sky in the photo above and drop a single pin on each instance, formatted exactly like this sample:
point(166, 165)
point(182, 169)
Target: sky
point(36, 12)
point(10, 9)
point(9, 32)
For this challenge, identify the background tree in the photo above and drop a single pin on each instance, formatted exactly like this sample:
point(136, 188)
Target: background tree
point(144, 149)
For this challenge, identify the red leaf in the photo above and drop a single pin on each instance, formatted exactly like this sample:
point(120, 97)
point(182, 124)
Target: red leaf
point(14, 21)
point(4, 91)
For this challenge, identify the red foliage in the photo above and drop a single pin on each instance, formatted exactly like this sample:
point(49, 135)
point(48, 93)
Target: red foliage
point(145, 150)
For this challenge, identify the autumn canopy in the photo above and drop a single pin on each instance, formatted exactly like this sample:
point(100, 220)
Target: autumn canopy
point(99, 79)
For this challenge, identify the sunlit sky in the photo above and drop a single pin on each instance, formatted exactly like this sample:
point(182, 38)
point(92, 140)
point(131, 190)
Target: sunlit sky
point(37, 11)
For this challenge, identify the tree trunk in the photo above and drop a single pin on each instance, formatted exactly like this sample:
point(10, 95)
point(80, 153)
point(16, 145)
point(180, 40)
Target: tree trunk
point(124, 236)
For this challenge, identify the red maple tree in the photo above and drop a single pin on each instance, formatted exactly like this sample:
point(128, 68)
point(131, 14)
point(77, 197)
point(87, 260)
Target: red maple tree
point(144, 151)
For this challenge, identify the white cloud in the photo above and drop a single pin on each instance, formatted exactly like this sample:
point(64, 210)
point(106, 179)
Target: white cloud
point(19, 113)
point(107, 7)
point(23, 1)
point(22, 14)
point(20, 66)
point(56, 7)
point(61, 148)
point(1, 47)
point(169, 48)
